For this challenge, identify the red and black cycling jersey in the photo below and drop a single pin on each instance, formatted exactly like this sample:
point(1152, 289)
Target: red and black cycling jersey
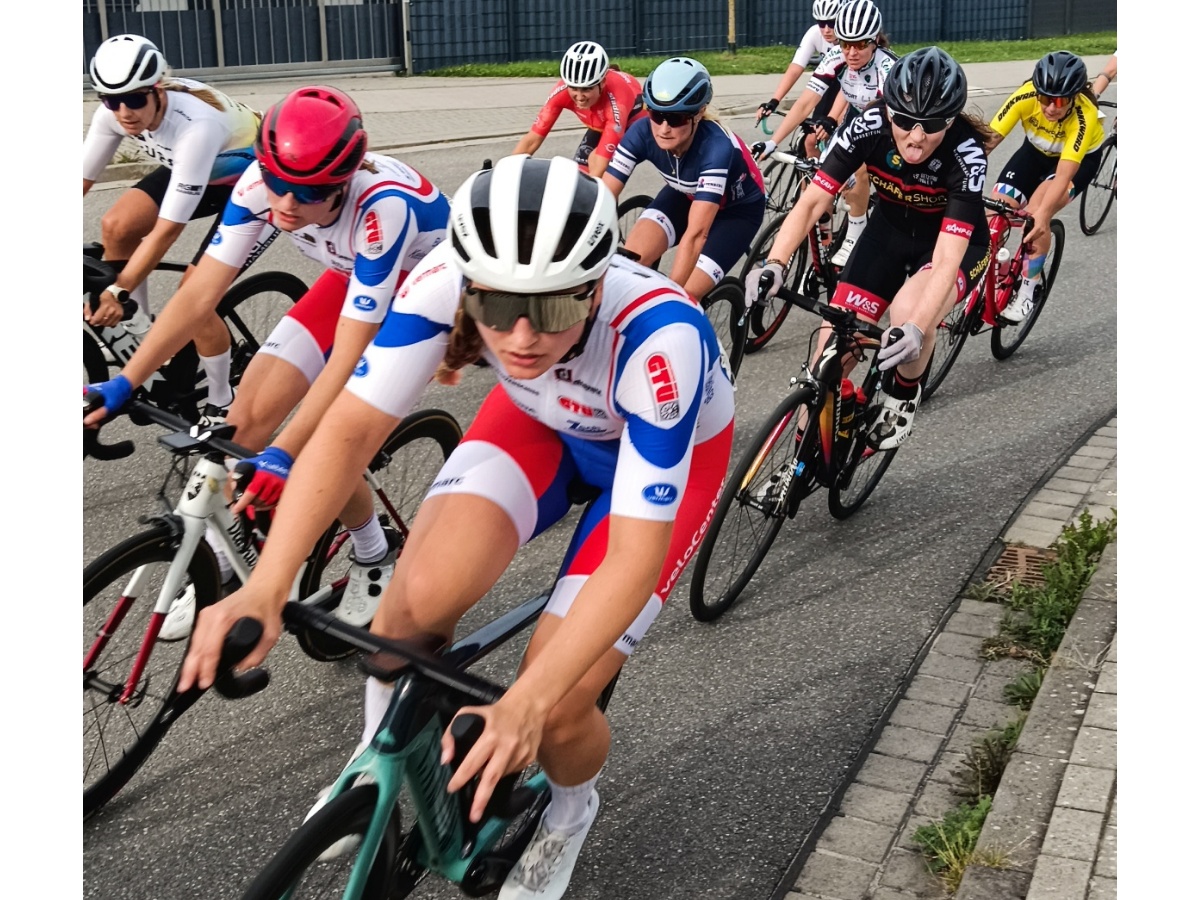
point(944, 193)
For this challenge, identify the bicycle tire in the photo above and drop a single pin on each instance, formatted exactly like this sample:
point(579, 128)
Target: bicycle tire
point(1007, 338)
point(629, 211)
point(416, 466)
point(952, 333)
point(724, 306)
point(288, 873)
point(781, 181)
point(769, 450)
point(1096, 198)
point(120, 744)
point(765, 319)
point(251, 309)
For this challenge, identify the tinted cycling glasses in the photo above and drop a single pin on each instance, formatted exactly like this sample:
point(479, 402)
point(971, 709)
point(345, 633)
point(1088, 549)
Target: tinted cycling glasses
point(855, 45)
point(136, 100)
point(1057, 102)
point(547, 313)
point(824, 23)
point(905, 122)
point(305, 194)
point(675, 120)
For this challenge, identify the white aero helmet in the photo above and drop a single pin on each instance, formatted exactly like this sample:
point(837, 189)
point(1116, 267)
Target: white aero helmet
point(858, 20)
point(826, 10)
point(125, 63)
point(531, 226)
point(583, 65)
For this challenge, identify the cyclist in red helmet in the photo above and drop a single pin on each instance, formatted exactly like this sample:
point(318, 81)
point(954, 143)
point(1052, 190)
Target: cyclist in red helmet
point(369, 220)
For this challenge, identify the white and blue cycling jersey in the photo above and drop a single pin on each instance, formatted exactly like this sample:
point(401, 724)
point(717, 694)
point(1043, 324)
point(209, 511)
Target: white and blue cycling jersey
point(718, 167)
point(390, 219)
point(648, 386)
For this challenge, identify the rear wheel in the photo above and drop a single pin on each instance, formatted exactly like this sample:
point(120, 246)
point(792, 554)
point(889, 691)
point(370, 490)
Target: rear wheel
point(252, 308)
point(725, 307)
point(404, 468)
point(1097, 197)
point(120, 590)
point(766, 318)
point(1007, 338)
point(752, 507)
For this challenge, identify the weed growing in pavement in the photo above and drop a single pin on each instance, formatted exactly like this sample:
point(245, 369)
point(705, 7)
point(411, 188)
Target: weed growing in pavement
point(949, 845)
point(1021, 691)
point(985, 761)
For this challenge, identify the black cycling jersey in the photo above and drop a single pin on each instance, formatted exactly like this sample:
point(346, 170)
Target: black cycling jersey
point(944, 193)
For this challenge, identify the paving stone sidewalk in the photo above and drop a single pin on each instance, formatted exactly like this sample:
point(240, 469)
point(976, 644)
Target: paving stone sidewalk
point(1054, 816)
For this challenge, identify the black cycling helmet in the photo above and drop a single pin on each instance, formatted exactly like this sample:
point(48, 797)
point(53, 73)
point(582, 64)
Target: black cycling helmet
point(926, 84)
point(1059, 74)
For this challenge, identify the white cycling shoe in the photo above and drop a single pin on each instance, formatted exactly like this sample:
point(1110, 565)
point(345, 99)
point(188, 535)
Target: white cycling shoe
point(180, 617)
point(893, 421)
point(544, 870)
point(1020, 306)
point(843, 253)
point(366, 584)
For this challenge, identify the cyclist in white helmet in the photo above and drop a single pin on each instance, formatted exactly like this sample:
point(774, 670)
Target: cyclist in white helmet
point(817, 41)
point(605, 100)
point(203, 139)
point(858, 68)
point(610, 377)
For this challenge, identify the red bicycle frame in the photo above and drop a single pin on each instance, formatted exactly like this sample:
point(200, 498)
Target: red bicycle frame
point(1002, 276)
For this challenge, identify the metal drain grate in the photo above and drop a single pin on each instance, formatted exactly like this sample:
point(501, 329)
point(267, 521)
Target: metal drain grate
point(1018, 563)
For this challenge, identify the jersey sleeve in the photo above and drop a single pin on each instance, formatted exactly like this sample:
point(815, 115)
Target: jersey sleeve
point(849, 150)
point(1013, 109)
point(964, 203)
point(620, 97)
point(1082, 124)
point(242, 221)
point(103, 138)
point(825, 75)
point(549, 113)
point(659, 390)
point(809, 49)
point(630, 151)
point(716, 162)
point(195, 154)
point(384, 231)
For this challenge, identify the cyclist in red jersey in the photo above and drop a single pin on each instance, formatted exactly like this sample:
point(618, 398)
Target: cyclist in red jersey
point(605, 100)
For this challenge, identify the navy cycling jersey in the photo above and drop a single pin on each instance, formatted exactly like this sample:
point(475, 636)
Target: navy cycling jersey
point(944, 193)
point(717, 167)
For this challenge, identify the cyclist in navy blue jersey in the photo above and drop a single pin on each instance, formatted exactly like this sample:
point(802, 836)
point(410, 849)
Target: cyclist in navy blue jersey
point(713, 201)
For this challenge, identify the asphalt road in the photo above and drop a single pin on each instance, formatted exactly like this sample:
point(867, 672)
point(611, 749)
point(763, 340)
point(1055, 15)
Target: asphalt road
point(728, 738)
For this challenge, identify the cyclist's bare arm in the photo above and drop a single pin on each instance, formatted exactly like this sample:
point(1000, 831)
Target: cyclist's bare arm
point(691, 244)
point(788, 80)
point(800, 111)
point(935, 302)
point(614, 184)
point(597, 164)
point(149, 253)
point(87, 186)
point(529, 143)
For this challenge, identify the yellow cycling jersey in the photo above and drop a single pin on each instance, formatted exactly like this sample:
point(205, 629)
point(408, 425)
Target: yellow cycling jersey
point(1079, 133)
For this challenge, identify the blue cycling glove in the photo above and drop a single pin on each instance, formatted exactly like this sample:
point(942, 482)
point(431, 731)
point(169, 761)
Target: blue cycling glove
point(116, 393)
point(265, 476)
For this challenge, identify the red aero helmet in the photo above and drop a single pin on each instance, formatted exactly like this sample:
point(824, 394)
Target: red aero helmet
point(314, 135)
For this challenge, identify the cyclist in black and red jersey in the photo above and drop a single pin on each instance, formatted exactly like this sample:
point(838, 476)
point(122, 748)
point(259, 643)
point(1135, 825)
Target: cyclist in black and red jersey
point(605, 100)
point(926, 244)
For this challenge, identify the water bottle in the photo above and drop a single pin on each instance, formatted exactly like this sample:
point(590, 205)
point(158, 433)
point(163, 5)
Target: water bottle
point(824, 229)
point(848, 409)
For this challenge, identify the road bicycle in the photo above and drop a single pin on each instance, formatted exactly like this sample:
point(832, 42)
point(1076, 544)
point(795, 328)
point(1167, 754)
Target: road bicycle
point(815, 438)
point(250, 309)
point(784, 182)
point(392, 797)
point(996, 288)
point(129, 671)
point(1097, 196)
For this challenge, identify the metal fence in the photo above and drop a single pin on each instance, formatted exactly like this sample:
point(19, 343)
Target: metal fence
point(240, 38)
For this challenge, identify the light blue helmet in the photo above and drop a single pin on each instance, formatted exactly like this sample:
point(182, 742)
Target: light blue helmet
point(679, 85)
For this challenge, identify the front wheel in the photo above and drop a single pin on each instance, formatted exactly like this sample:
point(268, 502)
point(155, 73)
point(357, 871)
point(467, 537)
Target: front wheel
point(1007, 338)
point(952, 333)
point(251, 309)
point(120, 591)
point(756, 499)
point(1096, 198)
point(725, 307)
point(297, 871)
point(402, 472)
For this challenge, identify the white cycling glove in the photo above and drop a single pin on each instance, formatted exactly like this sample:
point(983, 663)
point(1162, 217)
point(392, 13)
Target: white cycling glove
point(755, 278)
point(901, 345)
point(763, 149)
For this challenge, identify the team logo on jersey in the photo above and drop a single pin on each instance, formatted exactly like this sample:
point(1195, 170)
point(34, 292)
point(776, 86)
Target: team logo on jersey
point(660, 494)
point(894, 161)
point(361, 369)
point(580, 428)
point(663, 386)
point(579, 409)
point(935, 164)
point(374, 233)
point(216, 239)
point(562, 374)
point(365, 303)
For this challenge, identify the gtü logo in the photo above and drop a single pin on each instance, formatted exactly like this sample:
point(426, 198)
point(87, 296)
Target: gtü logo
point(662, 379)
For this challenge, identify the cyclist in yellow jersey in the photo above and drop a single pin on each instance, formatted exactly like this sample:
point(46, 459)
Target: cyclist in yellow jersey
point(1058, 112)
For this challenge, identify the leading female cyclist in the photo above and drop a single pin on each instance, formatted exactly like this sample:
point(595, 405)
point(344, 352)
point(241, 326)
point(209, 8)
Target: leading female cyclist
point(713, 202)
point(1063, 133)
point(202, 138)
point(610, 377)
point(927, 242)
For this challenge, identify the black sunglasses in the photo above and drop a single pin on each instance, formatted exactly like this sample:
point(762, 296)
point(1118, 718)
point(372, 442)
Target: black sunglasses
point(136, 100)
point(547, 313)
point(824, 23)
point(905, 122)
point(675, 120)
point(305, 194)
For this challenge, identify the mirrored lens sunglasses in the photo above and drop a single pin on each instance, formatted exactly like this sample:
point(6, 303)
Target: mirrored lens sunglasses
point(547, 313)
point(1057, 102)
point(305, 194)
point(905, 122)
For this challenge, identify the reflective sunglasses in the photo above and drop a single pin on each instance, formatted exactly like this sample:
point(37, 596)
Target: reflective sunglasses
point(305, 194)
point(905, 122)
point(824, 23)
point(1056, 102)
point(675, 120)
point(136, 100)
point(547, 313)
point(855, 45)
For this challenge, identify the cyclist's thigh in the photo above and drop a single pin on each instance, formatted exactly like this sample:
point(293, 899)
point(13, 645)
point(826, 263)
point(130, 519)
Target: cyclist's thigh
point(154, 185)
point(270, 388)
point(876, 270)
point(974, 263)
point(729, 237)
point(710, 461)
point(1088, 167)
point(591, 138)
point(134, 213)
point(304, 336)
point(669, 210)
point(1024, 171)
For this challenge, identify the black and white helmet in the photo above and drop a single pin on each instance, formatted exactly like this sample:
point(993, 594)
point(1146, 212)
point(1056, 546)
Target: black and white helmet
point(926, 84)
point(533, 225)
point(583, 65)
point(826, 10)
point(1059, 74)
point(125, 63)
point(858, 20)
